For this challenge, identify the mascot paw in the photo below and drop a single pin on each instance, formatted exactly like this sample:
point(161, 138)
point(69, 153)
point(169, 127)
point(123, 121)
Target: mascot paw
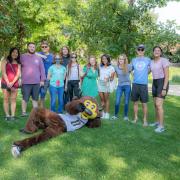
point(16, 151)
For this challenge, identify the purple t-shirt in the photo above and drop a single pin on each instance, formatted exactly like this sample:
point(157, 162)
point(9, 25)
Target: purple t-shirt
point(157, 67)
point(32, 70)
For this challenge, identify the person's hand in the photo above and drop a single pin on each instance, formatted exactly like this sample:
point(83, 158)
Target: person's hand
point(163, 92)
point(42, 83)
point(65, 88)
point(10, 84)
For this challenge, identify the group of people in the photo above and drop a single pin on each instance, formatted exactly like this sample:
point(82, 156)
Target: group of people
point(61, 74)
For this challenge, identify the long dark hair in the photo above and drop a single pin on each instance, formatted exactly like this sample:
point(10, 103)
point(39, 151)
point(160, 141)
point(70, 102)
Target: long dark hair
point(108, 59)
point(9, 57)
point(61, 51)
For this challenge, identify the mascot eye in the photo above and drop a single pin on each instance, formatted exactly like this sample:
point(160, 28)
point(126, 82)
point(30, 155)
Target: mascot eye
point(87, 103)
point(93, 106)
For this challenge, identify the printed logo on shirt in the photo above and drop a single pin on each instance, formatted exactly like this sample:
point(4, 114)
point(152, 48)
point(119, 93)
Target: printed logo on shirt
point(140, 66)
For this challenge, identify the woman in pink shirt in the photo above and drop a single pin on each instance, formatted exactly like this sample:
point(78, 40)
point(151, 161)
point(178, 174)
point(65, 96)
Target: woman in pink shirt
point(160, 72)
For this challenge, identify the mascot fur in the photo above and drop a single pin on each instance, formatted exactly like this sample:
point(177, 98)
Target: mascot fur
point(80, 112)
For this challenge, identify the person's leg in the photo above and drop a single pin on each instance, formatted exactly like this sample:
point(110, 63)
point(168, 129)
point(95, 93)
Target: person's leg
point(53, 91)
point(26, 92)
point(6, 96)
point(135, 106)
point(127, 92)
point(102, 101)
point(60, 99)
point(51, 122)
point(70, 90)
point(106, 97)
point(76, 89)
point(13, 102)
point(144, 100)
point(156, 110)
point(35, 94)
point(145, 110)
point(160, 111)
point(118, 99)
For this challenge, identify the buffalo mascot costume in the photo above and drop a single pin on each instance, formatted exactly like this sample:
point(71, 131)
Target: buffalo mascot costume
point(80, 112)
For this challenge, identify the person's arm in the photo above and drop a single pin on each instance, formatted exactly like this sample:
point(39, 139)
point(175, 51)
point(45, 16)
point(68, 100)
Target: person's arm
point(3, 69)
point(17, 75)
point(42, 73)
point(166, 80)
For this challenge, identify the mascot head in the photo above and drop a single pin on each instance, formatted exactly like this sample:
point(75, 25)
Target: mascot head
point(91, 108)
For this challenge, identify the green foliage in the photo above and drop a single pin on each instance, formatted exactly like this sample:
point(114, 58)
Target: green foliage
point(176, 79)
point(96, 26)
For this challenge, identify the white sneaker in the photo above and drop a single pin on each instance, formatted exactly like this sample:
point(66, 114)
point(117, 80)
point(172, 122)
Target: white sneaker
point(16, 151)
point(114, 117)
point(126, 118)
point(154, 124)
point(103, 115)
point(106, 116)
point(159, 129)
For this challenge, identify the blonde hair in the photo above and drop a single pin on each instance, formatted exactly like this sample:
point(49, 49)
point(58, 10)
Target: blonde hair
point(125, 65)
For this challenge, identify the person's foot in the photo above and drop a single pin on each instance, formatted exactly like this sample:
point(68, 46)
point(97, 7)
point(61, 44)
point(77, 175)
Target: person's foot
point(15, 151)
point(25, 131)
point(103, 114)
point(159, 129)
point(7, 118)
point(145, 124)
point(126, 118)
point(155, 124)
point(106, 116)
point(24, 114)
point(13, 118)
point(114, 117)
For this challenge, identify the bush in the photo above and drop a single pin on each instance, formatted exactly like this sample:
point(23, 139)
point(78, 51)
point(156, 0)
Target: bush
point(176, 79)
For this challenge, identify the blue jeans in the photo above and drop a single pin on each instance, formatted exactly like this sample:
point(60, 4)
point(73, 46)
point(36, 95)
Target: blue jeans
point(53, 92)
point(119, 92)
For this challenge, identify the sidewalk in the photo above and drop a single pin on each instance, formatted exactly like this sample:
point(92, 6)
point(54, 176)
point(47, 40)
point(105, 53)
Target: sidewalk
point(173, 89)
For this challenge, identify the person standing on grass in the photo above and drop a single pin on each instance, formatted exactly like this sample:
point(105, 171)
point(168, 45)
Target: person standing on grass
point(160, 72)
point(90, 75)
point(56, 76)
point(33, 76)
point(106, 74)
point(47, 58)
point(65, 56)
point(11, 70)
point(73, 77)
point(140, 67)
point(123, 70)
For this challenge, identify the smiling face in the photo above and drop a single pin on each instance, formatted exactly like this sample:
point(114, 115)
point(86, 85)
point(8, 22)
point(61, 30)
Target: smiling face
point(31, 48)
point(157, 52)
point(14, 54)
point(92, 61)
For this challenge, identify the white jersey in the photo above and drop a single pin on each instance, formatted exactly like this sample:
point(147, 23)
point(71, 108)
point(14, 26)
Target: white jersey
point(73, 122)
point(106, 72)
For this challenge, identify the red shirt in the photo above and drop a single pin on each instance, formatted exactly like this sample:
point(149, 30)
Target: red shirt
point(11, 72)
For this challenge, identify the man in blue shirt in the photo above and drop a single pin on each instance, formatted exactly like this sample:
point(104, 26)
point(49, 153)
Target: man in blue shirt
point(140, 66)
point(47, 58)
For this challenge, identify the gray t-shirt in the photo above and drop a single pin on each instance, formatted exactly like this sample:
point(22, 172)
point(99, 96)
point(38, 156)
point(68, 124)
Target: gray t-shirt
point(123, 78)
point(73, 122)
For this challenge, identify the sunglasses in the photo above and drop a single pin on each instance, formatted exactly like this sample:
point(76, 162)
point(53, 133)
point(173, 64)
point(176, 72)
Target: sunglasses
point(73, 57)
point(140, 49)
point(44, 46)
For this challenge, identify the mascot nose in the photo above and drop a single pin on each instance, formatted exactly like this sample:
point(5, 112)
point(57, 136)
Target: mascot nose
point(88, 112)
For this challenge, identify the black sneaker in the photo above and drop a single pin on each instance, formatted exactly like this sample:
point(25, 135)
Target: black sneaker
point(7, 118)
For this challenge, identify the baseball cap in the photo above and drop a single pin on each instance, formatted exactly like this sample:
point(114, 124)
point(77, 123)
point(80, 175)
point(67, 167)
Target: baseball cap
point(141, 46)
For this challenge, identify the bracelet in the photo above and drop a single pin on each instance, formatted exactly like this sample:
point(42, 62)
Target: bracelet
point(164, 89)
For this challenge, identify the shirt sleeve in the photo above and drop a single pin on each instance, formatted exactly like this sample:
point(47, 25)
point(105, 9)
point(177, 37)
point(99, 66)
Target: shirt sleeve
point(165, 63)
point(129, 67)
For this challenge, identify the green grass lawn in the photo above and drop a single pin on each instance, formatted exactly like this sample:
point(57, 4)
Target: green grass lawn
point(117, 150)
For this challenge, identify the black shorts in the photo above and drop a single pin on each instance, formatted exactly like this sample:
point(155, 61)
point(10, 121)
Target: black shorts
point(157, 88)
point(30, 90)
point(139, 92)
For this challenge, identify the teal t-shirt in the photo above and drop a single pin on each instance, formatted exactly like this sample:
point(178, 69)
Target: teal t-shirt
point(57, 75)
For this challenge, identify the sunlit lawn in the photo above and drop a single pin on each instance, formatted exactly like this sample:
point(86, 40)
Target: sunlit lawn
point(117, 150)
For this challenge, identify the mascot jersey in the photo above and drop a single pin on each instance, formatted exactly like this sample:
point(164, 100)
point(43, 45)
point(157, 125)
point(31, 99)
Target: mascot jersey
point(73, 122)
